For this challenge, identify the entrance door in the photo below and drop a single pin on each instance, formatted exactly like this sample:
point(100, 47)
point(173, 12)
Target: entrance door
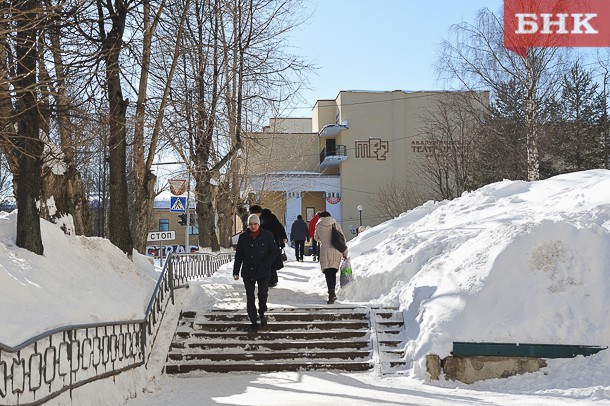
point(331, 147)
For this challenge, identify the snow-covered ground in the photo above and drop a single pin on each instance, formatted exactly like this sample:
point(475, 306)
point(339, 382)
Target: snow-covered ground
point(514, 262)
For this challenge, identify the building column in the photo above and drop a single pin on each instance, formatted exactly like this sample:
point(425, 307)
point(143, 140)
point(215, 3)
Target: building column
point(294, 203)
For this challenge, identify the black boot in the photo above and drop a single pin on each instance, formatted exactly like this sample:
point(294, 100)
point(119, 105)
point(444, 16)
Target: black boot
point(253, 329)
point(331, 296)
point(263, 322)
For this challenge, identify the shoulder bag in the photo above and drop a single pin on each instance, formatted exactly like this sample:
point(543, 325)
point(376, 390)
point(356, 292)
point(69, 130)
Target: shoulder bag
point(337, 239)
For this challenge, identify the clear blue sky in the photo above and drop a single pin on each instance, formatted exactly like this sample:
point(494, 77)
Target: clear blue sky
point(376, 44)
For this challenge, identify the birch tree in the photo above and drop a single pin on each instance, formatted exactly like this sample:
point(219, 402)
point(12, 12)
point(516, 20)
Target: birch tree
point(475, 59)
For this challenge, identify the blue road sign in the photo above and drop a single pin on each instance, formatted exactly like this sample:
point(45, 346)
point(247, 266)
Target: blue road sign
point(177, 204)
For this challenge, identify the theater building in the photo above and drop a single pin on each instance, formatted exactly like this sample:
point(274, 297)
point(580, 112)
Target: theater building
point(338, 159)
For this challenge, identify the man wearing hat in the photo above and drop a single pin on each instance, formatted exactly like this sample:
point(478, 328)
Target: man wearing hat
point(256, 252)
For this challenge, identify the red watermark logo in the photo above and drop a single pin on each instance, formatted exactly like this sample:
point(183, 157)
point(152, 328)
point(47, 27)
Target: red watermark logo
point(556, 23)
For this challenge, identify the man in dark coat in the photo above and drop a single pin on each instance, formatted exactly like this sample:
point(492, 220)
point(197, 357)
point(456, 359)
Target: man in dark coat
point(256, 252)
point(299, 232)
point(270, 222)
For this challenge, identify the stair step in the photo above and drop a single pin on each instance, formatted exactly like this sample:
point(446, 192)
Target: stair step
point(273, 335)
point(391, 323)
point(276, 316)
point(274, 346)
point(268, 355)
point(315, 338)
point(275, 326)
point(390, 343)
point(268, 367)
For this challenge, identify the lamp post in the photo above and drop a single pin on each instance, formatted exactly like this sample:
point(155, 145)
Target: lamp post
point(360, 212)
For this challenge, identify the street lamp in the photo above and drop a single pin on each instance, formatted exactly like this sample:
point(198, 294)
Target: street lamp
point(360, 212)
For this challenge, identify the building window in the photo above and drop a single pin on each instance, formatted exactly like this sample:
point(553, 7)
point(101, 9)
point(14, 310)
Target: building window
point(163, 224)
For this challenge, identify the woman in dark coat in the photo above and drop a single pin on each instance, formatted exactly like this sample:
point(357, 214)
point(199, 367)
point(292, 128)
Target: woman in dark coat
point(256, 252)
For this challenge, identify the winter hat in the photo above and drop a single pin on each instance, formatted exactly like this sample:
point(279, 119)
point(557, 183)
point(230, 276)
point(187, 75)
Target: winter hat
point(253, 218)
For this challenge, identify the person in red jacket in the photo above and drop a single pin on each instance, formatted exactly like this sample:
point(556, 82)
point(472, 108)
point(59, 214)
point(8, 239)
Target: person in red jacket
point(315, 248)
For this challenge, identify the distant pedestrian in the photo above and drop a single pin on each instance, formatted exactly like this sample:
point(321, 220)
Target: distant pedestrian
point(270, 222)
point(330, 257)
point(256, 252)
point(315, 250)
point(299, 232)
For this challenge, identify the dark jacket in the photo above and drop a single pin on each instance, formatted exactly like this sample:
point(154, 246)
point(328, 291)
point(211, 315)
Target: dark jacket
point(299, 231)
point(270, 222)
point(255, 256)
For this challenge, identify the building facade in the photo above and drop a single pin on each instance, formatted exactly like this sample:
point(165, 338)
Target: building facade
point(337, 160)
point(356, 144)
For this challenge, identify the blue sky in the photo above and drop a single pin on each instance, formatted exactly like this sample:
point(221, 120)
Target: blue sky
point(376, 45)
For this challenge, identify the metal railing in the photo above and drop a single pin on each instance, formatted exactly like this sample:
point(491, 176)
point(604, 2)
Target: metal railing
point(66, 358)
point(339, 150)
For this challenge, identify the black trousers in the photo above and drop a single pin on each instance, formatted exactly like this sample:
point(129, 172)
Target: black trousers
point(299, 248)
point(331, 278)
point(315, 248)
point(263, 293)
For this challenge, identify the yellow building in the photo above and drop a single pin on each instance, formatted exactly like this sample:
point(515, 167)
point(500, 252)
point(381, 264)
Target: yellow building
point(340, 158)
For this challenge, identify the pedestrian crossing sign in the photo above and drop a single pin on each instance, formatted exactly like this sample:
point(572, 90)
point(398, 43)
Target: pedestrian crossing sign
point(177, 204)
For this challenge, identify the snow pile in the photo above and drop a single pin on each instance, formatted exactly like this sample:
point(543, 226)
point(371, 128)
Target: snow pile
point(78, 280)
point(513, 262)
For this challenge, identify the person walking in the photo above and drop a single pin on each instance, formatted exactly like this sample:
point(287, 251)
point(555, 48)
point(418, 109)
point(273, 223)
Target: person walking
point(270, 222)
point(315, 250)
point(329, 256)
point(256, 252)
point(299, 232)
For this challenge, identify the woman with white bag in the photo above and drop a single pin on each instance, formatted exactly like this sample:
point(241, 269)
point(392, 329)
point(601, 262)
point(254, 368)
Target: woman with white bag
point(330, 257)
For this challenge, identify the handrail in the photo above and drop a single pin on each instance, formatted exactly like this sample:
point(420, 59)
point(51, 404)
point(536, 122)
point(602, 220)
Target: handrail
point(64, 358)
point(4, 347)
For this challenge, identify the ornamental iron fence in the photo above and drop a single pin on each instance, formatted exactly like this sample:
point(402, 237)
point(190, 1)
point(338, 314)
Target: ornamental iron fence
point(68, 357)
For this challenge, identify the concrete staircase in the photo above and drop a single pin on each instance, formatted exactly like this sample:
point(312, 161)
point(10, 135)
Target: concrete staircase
point(388, 328)
point(318, 338)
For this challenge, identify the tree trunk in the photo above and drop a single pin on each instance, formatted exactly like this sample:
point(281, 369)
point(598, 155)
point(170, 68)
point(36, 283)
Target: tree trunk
point(143, 210)
point(64, 190)
point(205, 212)
point(531, 116)
point(30, 145)
point(118, 213)
point(71, 189)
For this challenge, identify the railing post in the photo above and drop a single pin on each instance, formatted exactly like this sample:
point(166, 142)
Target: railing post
point(171, 277)
point(143, 334)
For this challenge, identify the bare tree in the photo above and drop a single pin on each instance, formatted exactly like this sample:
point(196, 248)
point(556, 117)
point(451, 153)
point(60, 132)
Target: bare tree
point(234, 61)
point(477, 60)
point(62, 180)
point(28, 142)
point(393, 199)
point(145, 149)
point(451, 131)
point(114, 14)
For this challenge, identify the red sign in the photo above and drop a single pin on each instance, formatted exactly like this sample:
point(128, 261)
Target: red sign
point(555, 23)
point(177, 186)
